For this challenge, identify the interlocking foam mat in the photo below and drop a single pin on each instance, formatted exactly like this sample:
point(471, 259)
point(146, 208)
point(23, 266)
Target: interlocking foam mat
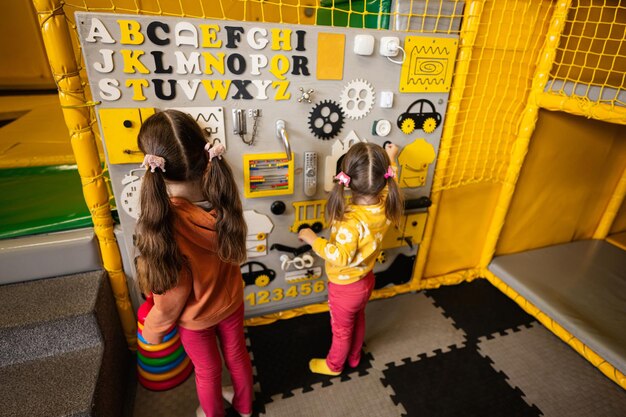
point(465, 350)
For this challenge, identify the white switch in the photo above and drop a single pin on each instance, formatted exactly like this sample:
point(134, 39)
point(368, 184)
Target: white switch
point(364, 44)
point(389, 45)
point(386, 99)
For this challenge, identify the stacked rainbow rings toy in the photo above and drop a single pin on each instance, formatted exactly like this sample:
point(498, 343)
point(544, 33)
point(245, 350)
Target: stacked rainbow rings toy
point(163, 366)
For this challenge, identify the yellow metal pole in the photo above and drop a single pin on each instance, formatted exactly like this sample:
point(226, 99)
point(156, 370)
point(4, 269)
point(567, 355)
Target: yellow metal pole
point(526, 129)
point(77, 111)
point(582, 106)
point(469, 30)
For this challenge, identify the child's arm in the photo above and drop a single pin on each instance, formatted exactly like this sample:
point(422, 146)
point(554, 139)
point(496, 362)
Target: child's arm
point(392, 151)
point(167, 309)
point(339, 253)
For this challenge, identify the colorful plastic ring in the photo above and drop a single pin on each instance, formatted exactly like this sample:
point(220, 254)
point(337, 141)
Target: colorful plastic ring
point(159, 354)
point(160, 346)
point(163, 368)
point(165, 385)
point(165, 375)
point(166, 338)
point(161, 361)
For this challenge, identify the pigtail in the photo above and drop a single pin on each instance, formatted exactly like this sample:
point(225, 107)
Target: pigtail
point(160, 260)
point(220, 190)
point(335, 206)
point(394, 203)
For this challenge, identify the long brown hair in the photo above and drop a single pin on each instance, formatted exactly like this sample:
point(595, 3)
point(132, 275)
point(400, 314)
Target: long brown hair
point(176, 137)
point(366, 164)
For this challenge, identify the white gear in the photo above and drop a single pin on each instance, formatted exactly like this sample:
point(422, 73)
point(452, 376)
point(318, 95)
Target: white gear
point(357, 99)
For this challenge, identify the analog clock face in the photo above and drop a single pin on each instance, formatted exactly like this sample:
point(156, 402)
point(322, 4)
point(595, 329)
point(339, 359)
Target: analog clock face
point(130, 195)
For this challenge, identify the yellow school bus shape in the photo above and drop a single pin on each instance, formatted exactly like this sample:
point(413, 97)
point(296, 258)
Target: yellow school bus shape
point(309, 214)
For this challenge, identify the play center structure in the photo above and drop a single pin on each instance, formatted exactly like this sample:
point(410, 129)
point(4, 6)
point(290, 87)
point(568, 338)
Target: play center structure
point(509, 116)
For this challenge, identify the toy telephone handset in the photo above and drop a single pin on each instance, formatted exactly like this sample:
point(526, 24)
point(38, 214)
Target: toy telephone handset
point(310, 173)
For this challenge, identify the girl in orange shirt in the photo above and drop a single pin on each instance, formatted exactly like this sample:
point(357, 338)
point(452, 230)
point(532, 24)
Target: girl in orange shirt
point(191, 239)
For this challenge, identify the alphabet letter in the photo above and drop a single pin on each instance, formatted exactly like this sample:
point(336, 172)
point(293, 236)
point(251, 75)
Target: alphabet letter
point(98, 30)
point(233, 35)
point(279, 66)
point(187, 66)
point(190, 39)
point(281, 39)
point(130, 31)
point(258, 61)
point(158, 89)
point(109, 90)
point(131, 61)
point(209, 36)
point(107, 64)
point(253, 42)
point(152, 35)
point(189, 88)
point(137, 86)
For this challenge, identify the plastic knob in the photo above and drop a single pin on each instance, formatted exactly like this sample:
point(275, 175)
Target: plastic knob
point(278, 207)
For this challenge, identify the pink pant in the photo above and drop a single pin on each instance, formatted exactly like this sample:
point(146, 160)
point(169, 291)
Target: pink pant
point(201, 346)
point(347, 320)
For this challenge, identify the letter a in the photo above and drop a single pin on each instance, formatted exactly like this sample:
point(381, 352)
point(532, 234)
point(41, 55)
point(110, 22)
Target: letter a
point(98, 30)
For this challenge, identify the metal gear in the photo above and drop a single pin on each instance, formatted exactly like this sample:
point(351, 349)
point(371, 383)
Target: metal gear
point(357, 99)
point(326, 119)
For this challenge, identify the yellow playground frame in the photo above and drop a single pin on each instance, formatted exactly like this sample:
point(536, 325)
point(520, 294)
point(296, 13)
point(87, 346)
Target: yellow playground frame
point(485, 136)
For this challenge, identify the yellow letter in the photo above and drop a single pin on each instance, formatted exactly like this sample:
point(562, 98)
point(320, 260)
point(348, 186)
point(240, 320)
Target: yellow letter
point(214, 87)
point(209, 36)
point(281, 36)
point(130, 30)
point(211, 61)
point(281, 90)
point(131, 61)
point(279, 66)
point(137, 85)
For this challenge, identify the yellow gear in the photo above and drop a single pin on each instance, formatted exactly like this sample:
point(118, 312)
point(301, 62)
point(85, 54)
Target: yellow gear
point(262, 280)
point(429, 125)
point(408, 126)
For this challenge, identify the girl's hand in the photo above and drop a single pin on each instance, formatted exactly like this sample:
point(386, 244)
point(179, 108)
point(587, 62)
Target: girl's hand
point(150, 337)
point(307, 236)
point(392, 150)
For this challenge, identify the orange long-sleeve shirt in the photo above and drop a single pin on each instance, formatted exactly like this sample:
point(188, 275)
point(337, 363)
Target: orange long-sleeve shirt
point(208, 291)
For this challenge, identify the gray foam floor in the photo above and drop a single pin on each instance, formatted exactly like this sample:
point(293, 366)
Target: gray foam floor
point(414, 350)
point(552, 375)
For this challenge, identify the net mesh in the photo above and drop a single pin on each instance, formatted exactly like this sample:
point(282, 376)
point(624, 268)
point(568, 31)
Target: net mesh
point(508, 39)
point(590, 64)
point(503, 45)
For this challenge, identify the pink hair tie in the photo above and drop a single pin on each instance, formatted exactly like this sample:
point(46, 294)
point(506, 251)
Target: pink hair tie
point(153, 162)
point(215, 151)
point(390, 172)
point(343, 178)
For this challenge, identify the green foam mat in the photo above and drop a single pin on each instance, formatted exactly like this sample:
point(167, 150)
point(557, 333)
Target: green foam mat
point(354, 13)
point(44, 199)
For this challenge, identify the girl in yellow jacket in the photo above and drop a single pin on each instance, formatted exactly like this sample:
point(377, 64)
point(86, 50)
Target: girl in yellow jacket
point(356, 235)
